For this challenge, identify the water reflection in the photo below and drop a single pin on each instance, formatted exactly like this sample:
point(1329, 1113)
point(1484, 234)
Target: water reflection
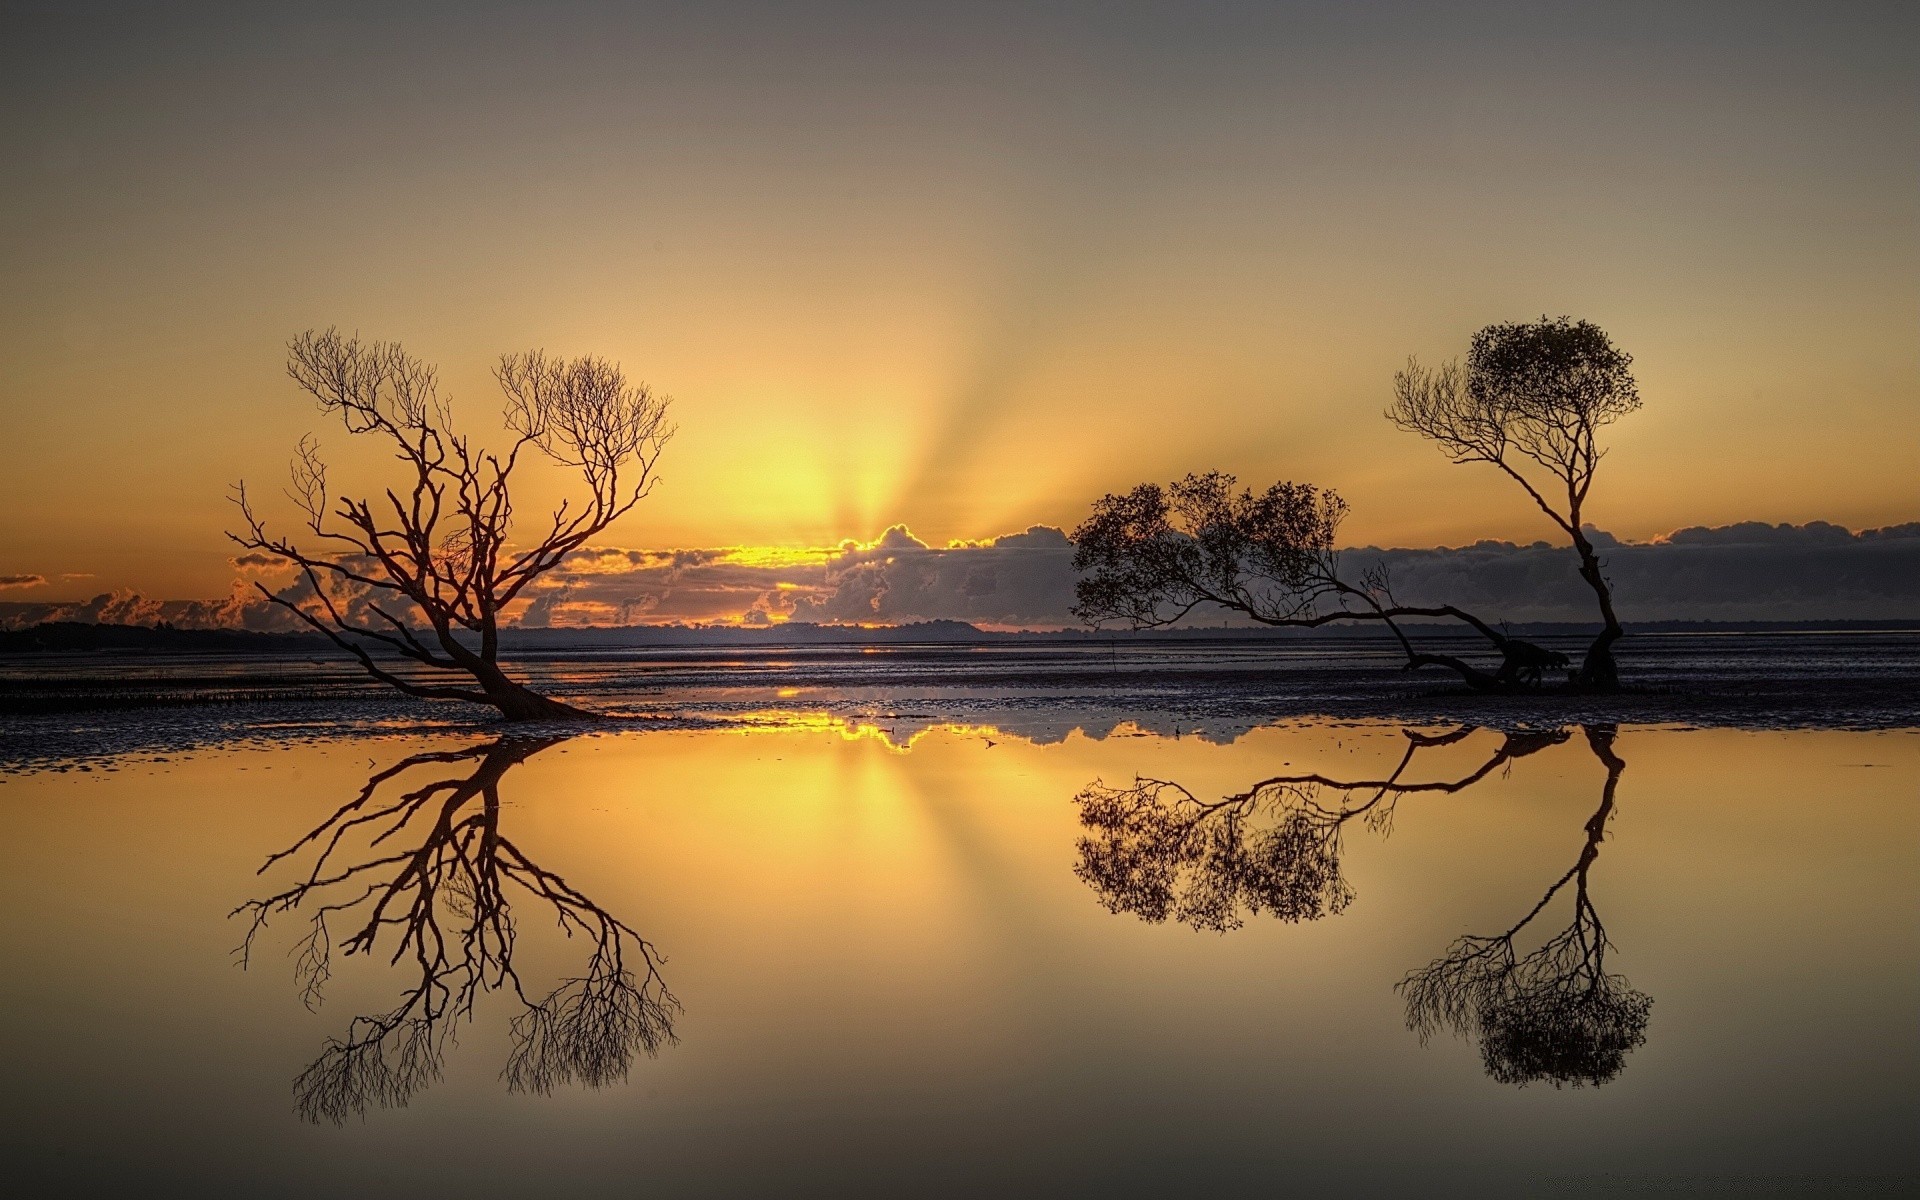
point(1552, 1014)
point(1548, 1014)
point(424, 875)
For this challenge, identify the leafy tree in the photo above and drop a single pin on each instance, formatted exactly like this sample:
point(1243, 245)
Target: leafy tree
point(1151, 556)
point(1156, 850)
point(1548, 1012)
point(1531, 401)
point(1553, 1013)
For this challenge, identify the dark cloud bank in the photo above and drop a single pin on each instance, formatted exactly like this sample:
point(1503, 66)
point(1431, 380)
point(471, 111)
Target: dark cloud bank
point(1745, 572)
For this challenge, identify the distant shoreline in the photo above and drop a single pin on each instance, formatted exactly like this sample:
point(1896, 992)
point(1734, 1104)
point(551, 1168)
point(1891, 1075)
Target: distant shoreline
point(77, 637)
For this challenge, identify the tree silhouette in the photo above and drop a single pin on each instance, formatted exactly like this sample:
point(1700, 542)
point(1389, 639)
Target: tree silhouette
point(430, 871)
point(1157, 851)
point(1536, 393)
point(1153, 555)
point(438, 550)
point(1552, 1014)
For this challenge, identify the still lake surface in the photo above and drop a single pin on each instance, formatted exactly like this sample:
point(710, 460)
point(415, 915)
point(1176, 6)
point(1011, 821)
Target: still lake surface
point(943, 958)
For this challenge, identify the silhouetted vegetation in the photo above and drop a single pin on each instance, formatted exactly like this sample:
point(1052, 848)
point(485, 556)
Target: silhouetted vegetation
point(1158, 851)
point(439, 552)
point(1551, 1013)
point(1534, 394)
point(1152, 556)
point(1533, 397)
point(427, 878)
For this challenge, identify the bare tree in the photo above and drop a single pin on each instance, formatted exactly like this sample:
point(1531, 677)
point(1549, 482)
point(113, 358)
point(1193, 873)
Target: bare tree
point(1158, 851)
point(1151, 556)
point(1532, 400)
point(432, 869)
point(425, 572)
point(1551, 1014)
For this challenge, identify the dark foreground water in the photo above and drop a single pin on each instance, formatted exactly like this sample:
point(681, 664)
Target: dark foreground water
point(809, 954)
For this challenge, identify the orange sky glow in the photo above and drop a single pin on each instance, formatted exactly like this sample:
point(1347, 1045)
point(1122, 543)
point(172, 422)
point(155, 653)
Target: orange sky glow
point(957, 268)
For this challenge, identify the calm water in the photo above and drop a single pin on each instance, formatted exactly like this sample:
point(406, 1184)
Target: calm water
point(967, 963)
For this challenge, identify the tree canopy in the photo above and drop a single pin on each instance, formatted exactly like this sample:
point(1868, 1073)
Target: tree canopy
point(1531, 401)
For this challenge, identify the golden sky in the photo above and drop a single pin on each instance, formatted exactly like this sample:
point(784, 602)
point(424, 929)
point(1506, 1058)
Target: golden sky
point(960, 267)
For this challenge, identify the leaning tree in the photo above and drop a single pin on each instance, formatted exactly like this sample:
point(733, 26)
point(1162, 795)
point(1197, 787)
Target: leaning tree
point(1149, 557)
point(1554, 1013)
point(1531, 401)
point(1546, 1012)
point(425, 572)
point(1156, 850)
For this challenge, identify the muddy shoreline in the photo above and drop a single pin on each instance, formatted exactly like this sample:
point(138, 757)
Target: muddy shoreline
point(70, 710)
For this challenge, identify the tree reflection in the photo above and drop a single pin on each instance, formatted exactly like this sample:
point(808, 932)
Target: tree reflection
point(1158, 851)
point(427, 877)
point(1550, 1014)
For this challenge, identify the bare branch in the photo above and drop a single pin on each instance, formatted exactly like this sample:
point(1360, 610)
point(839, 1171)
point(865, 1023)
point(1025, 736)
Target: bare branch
point(444, 537)
point(445, 904)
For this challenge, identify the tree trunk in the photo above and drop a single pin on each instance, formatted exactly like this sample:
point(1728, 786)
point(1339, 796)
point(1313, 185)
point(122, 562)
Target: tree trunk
point(1469, 674)
point(518, 702)
point(1598, 673)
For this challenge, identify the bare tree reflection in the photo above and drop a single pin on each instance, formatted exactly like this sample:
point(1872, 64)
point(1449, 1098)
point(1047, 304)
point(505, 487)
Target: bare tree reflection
point(429, 873)
point(1157, 851)
point(1552, 1014)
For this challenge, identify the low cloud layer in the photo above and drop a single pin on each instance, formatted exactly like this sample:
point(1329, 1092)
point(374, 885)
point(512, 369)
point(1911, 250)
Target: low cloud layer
point(1745, 572)
point(1020, 580)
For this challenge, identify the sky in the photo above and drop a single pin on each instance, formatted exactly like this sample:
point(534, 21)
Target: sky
point(958, 269)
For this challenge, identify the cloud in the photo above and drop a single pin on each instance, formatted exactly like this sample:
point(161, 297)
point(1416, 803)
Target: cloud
point(121, 607)
point(1747, 571)
point(22, 581)
point(1750, 571)
point(1022, 579)
point(540, 613)
point(1743, 572)
point(1759, 533)
point(243, 607)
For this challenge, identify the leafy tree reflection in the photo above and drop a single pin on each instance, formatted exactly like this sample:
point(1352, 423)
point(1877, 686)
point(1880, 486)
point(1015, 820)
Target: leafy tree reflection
point(1158, 851)
point(1552, 1014)
point(430, 872)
